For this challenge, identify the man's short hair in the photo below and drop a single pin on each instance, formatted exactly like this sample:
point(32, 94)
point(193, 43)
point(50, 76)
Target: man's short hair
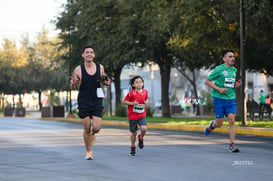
point(224, 52)
point(87, 46)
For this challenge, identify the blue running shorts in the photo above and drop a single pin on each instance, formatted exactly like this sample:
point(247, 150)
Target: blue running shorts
point(223, 107)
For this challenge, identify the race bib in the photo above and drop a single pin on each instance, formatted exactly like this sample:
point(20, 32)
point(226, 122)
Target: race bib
point(139, 108)
point(100, 93)
point(229, 82)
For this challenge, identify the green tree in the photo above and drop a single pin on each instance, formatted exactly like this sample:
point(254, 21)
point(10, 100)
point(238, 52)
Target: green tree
point(12, 69)
point(259, 36)
point(184, 34)
point(204, 29)
point(9, 54)
point(46, 65)
point(35, 67)
point(156, 23)
point(104, 30)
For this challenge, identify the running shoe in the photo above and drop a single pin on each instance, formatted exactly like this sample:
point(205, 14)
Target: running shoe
point(209, 128)
point(89, 155)
point(233, 148)
point(140, 142)
point(133, 151)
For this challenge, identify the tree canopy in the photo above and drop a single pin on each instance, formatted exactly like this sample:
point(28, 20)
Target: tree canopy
point(182, 33)
point(32, 67)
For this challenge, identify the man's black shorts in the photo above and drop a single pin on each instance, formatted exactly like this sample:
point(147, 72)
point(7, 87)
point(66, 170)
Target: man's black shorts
point(87, 112)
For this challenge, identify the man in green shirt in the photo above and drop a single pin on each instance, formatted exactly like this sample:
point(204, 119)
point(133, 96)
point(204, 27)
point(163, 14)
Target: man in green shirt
point(223, 84)
point(262, 98)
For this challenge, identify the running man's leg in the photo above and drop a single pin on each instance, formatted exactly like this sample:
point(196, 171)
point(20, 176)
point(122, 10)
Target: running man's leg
point(231, 120)
point(232, 147)
point(219, 111)
point(213, 124)
point(86, 132)
point(96, 124)
point(218, 123)
point(95, 128)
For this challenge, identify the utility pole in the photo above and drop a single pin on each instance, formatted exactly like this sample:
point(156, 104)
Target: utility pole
point(242, 59)
point(70, 96)
point(70, 59)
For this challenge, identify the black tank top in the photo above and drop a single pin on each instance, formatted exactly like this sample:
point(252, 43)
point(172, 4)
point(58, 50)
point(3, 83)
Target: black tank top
point(87, 97)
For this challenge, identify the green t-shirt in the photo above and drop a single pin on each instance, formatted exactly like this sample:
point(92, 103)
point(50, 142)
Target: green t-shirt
point(262, 98)
point(224, 77)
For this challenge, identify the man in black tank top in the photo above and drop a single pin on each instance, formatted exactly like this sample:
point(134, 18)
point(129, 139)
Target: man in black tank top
point(89, 75)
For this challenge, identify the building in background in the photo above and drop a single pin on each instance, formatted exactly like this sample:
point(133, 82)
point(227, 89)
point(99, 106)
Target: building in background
point(257, 82)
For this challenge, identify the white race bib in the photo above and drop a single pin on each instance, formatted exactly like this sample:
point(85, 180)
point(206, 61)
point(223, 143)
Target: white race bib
point(100, 93)
point(229, 82)
point(139, 108)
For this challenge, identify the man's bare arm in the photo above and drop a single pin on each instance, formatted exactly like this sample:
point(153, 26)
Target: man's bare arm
point(75, 78)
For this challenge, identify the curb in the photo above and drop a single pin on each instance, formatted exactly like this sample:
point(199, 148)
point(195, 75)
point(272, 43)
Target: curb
point(268, 132)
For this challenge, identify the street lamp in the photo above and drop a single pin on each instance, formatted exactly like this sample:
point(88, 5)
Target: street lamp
point(70, 99)
point(152, 82)
point(70, 59)
point(242, 58)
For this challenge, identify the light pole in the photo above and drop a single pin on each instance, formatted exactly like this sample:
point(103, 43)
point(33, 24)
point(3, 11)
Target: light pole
point(152, 82)
point(70, 99)
point(242, 58)
point(70, 59)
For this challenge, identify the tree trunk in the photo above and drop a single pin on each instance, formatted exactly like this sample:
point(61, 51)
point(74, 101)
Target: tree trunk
point(40, 100)
point(165, 79)
point(239, 104)
point(13, 101)
point(238, 93)
point(193, 82)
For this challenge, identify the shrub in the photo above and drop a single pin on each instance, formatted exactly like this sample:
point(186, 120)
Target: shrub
point(149, 112)
point(121, 111)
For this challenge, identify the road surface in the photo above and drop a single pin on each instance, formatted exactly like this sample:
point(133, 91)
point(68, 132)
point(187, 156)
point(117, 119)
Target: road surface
point(35, 150)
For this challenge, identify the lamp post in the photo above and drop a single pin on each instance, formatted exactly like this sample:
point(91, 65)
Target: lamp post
point(242, 58)
point(152, 82)
point(70, 59)
point(70, 99)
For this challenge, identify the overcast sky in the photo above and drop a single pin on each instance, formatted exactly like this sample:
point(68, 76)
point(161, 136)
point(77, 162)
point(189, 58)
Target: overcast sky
point(18, 17)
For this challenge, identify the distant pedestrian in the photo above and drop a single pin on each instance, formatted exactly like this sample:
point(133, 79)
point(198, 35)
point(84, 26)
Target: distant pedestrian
point(223, 84)
point(194, 103)
point(89, 75)
point(182, 105)
point(262, 98)
point(188, 104)
point(268, 106)
point(137, 101)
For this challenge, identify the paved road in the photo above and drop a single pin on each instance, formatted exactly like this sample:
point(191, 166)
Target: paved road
point(35, 150)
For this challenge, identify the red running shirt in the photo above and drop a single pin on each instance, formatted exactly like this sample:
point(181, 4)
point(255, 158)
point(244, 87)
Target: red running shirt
point(138, 111)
